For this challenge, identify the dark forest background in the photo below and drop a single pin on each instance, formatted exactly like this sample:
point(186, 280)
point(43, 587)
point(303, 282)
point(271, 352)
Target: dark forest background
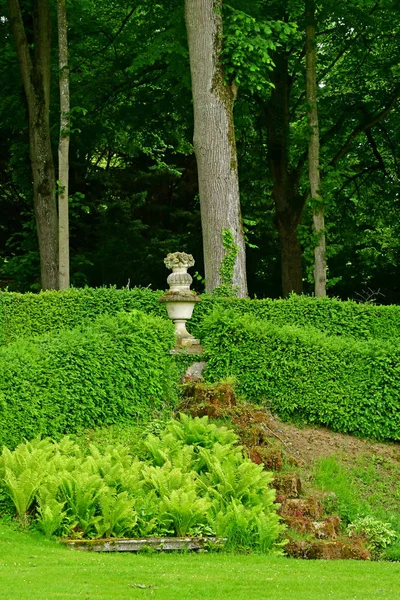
point(133, 178)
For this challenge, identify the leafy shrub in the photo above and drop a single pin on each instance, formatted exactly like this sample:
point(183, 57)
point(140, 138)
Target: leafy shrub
point(379, 535)
point(348, 385)
point(391, 553)
point(117, 369)
point(193, 480)
point(237, 489)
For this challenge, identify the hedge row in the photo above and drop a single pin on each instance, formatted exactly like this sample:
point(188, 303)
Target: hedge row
point(329, 315)
point(118, 368)
point(351, 386)
point(27, 315)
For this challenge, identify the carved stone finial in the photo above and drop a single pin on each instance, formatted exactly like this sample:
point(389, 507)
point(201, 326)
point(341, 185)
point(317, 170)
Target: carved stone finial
point(179, 280)
point(179, 259)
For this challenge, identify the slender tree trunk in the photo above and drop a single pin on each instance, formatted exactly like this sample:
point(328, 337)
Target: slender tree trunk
point(291, 258)
point(63, 147)
point(35, 72)
point(289, 202)
point(313, 152)
point(214, 141)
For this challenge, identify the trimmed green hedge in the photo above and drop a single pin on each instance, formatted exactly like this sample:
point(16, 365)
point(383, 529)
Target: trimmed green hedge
point(116, 369)
point(290, 367)
point(329, 315)
point(27, 315)
point(351, 386)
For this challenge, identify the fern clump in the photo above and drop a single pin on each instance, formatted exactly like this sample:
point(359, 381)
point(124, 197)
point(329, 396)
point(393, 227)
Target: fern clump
point(192, 479)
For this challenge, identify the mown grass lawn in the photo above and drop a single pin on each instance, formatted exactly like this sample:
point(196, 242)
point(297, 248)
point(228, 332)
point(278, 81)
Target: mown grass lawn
point(32, 568)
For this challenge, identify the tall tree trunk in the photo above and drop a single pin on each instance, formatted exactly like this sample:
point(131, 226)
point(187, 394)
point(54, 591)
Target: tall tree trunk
point(313, 152)
point(214, 141)
point(35, 72)
point(63, 147)
point(289, 202)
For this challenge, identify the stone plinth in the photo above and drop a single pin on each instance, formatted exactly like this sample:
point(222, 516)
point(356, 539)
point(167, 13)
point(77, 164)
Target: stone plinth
point(180, 300)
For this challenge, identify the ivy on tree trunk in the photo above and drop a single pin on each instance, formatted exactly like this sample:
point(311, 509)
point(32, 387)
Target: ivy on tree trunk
point(214, 142)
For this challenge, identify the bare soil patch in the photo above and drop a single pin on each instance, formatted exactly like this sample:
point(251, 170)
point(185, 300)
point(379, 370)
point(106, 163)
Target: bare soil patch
point(311, 443)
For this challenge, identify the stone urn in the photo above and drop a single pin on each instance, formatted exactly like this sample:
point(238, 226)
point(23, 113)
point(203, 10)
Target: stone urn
point(180, 300)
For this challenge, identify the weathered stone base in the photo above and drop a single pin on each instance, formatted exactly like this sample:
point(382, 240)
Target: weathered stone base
point(188, 346)
point(134, 545)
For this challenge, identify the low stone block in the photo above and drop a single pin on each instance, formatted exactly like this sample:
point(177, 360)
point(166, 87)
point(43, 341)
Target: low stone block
point(287, 484)
point(302, 507)
point(134, 545)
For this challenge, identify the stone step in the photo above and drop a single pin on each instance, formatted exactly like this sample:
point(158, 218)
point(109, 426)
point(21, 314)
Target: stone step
point(287, 485)
point(310, 506)
point(327, 528)
point(327, 549)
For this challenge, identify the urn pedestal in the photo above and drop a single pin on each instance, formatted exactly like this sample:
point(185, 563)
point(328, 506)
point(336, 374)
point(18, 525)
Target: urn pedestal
point(180, 300)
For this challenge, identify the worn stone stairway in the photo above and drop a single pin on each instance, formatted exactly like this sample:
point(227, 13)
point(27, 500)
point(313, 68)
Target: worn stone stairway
point(312, 533)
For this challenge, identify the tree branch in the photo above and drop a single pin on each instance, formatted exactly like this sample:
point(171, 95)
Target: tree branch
point(127, 85)
point(348, 44)
point(356, 176)
point(366, 124)
point(111, 40)
point(375, 151)
point(345, 48)
point(392, 148)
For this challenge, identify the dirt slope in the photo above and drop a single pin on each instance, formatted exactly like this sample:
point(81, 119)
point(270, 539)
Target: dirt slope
point(310, 443)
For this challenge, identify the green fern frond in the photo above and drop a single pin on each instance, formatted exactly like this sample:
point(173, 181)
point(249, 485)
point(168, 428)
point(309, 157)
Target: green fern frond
point(184, 510)
point(21, 489)
point(117, 515)
point(50, 516)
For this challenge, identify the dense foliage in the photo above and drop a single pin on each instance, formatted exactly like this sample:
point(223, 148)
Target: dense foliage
point(191, 480)
point(133, 178)
point(27, 315)
point(351, 386)
point(116, 369)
